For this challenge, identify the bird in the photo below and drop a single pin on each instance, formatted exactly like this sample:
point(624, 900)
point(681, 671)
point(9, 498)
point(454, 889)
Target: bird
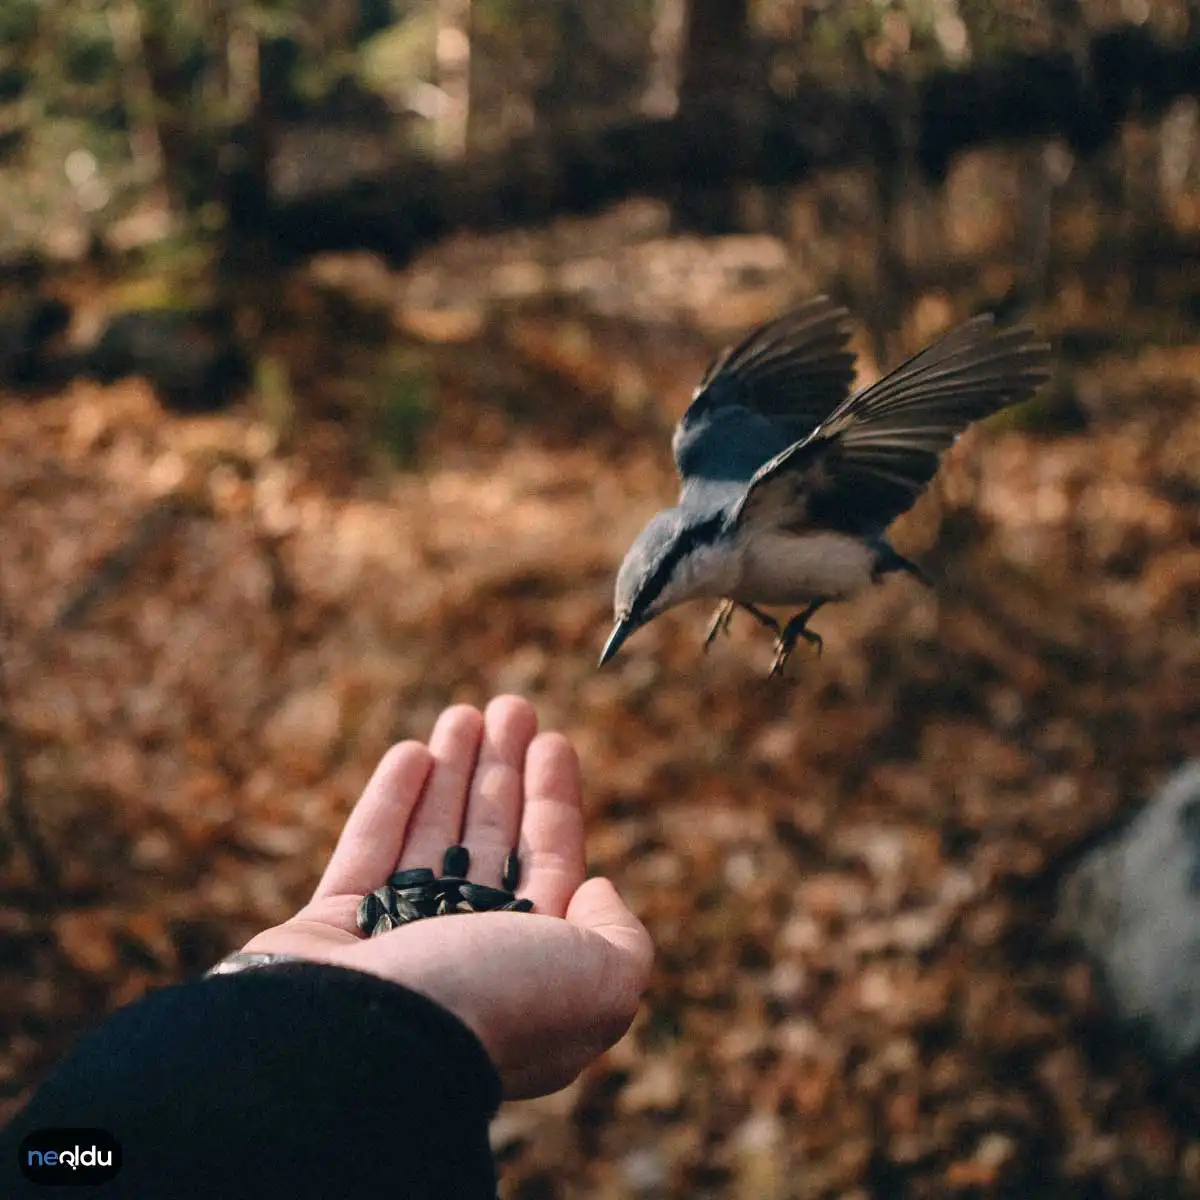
point(790, 480)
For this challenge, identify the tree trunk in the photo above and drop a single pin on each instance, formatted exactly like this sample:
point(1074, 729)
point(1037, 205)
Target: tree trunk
point(718, 71)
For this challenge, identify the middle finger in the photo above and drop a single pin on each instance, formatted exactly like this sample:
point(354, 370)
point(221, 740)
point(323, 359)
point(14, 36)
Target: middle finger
point(493, 817)
point(437, 821)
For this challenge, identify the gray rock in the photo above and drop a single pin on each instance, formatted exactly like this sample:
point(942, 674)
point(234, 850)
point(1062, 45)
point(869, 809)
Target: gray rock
point(1134, 904)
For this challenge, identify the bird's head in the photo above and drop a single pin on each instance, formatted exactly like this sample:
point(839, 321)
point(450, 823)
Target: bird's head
point(669, 563)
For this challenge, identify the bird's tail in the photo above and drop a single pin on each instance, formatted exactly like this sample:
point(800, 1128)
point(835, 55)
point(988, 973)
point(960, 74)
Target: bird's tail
point(890, 560)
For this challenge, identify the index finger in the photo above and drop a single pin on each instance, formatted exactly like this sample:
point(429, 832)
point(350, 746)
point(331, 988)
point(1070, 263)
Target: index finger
point(374, 833)
point(551, 839)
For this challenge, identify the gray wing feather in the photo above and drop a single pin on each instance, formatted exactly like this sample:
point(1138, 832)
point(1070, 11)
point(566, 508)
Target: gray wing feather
point(772, 388)
point(875, 453)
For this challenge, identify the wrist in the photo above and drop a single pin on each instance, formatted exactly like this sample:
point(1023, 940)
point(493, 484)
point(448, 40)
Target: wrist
point(446, 974)
point(247, 960)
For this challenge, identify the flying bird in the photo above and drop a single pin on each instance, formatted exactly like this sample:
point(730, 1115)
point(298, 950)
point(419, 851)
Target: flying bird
point(789, 481)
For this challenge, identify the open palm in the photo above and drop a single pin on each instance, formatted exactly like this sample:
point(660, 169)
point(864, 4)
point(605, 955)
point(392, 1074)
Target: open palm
point(544, 992)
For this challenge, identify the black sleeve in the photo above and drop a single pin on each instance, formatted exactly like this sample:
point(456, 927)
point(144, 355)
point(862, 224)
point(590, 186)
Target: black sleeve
point(294, 1080)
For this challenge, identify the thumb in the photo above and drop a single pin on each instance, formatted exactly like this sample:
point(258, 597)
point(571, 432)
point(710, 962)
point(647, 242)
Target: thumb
point(597, 907)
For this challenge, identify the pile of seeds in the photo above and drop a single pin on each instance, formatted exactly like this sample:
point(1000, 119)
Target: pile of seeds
point(417, 893)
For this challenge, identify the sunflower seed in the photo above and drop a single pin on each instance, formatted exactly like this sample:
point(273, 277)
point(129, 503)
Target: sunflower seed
point(385, 924)
point(456, 861)
point(522, 905)
point(406, 911)
point(483, 898)
point(387, 898)
point(413, 877)
point(370, 908)
point(512, 873)
point(448, 885)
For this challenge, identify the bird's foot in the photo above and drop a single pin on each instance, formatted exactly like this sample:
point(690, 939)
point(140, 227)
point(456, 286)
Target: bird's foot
point(762, 618)
point(791, 632)
point(890, 560)
point(720, 622)
point(724, 615)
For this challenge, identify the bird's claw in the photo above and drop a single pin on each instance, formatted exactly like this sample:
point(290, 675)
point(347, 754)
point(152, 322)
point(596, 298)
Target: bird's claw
point(785, 637)
point(765, 621)
point(786, 641)
point(720, 622)
point(724, 616)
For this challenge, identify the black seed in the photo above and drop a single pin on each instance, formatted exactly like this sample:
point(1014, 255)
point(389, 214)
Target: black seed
point(512, 873)
point(385, 924)
point(413, 877)
point(424, 900)
point(387, 898)
point(522, 905)
point(456, 861)
point(483, 898)
point(448, 885)
point(406, 911)
point(369, 911)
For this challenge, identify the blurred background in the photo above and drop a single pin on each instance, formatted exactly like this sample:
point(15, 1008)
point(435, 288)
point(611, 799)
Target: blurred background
point(340, 346)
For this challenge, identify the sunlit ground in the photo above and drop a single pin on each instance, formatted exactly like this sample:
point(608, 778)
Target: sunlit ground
point(847, 873)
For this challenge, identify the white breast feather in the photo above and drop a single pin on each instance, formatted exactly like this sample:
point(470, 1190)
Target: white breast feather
point(708, 572)
point(783, 568)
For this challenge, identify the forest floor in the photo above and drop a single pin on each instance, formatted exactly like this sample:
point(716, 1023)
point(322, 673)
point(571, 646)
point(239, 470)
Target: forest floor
point(848, 873)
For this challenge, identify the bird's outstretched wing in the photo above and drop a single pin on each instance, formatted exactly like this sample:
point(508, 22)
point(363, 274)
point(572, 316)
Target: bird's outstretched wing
point(870, 459)
point(773, 388)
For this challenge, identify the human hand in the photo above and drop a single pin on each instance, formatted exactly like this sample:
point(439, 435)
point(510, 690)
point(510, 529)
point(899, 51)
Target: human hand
point(545, 992)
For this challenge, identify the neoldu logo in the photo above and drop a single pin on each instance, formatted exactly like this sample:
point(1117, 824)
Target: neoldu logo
point(70, 1156)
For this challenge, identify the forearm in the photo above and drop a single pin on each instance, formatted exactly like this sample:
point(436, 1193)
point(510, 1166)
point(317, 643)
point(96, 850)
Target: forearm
point(309, 1080)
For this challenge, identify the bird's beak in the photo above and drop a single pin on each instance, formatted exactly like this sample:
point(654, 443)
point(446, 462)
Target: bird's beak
point(621, 630)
